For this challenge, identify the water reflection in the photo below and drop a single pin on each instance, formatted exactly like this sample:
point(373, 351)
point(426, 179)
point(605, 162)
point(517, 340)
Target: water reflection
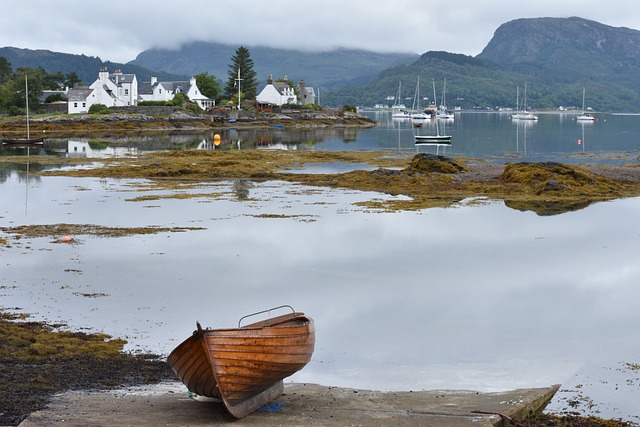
point(484, 297)
point(554, 137)
point(89, 149)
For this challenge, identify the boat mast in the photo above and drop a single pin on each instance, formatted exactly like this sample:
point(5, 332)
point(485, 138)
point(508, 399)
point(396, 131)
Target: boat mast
point(26, 97)
point(435, 100)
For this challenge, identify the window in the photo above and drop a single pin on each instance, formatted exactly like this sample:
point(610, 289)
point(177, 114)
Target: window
point(75, 105)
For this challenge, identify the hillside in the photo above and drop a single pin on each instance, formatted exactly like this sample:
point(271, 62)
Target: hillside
point(86, 67)
point(326, 70)
point(556, 56)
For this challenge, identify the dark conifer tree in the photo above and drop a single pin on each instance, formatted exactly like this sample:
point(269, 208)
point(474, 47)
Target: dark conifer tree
point(241, 61)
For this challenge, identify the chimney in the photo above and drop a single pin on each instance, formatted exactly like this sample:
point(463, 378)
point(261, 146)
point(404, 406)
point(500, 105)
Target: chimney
point(154, 80)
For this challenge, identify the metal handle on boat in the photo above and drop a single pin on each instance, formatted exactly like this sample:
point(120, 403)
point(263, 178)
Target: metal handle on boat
point(266, 311)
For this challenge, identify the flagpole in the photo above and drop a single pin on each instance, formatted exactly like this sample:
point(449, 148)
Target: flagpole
point(239, 80)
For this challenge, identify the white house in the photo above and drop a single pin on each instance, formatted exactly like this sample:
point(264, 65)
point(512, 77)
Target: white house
point(165, 91)
point(112, 90)
point(277, 93)
point(119, 89)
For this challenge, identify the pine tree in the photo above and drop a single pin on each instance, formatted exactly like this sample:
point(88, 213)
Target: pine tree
point(241, 61)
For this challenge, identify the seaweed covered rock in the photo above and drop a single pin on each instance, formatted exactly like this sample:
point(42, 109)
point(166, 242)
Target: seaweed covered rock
point(557, 178)
point(430, 163)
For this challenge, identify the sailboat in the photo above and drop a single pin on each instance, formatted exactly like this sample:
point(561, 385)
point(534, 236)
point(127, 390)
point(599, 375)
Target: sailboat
point(437, 138)
point(416, 114)
point(524, 114)
point(399, 108)
point(444, 113)
point(28, 140)
point(585, 116)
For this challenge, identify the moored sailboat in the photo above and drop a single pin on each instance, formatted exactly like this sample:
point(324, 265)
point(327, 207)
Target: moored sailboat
point(437, 138)
point(584, 116)
point(523, 114)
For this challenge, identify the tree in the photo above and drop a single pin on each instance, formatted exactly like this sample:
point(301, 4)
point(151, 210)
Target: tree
point(71, 80)
point(242, 64)
point(6, 71)
point(208, 85)
point(35, 78)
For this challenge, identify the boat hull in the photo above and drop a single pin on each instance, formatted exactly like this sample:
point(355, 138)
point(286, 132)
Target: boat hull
point(23, 141)
point(244, 367)
point(433, 139)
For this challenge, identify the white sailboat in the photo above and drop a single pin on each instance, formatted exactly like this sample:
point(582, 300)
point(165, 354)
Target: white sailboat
point(444, 113)
point(399, 109)
point(524, 114)
point(585, 117)
point(416, 114)
point(437, 138)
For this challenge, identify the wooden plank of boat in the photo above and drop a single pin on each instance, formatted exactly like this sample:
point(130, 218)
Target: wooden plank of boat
point(245, 366)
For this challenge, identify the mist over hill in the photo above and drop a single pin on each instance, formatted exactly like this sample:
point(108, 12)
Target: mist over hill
point(328, 70)
point(86, 67)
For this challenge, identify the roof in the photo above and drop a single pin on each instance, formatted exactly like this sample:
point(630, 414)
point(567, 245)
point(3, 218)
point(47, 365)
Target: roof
point(119, 78)
point(79, 94)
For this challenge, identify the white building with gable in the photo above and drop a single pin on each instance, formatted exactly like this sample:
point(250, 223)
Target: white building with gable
point(165, 91)
point(277, 93)
point(112, 90)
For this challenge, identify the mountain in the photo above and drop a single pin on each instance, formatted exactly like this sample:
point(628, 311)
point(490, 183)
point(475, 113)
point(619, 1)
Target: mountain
point(566, 49)
point(326, 70)
point(557, 57)
point(85, 67)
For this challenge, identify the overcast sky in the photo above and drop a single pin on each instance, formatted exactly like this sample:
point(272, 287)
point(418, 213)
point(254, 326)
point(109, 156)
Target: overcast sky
point(118, 30)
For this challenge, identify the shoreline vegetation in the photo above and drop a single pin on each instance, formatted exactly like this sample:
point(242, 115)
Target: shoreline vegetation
point(38, 360)
point(126, 120)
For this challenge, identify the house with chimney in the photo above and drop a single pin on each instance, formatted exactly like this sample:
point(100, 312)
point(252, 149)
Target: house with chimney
point(113, 90)
point(165, 91)
point(121, 90)
point(282, 92)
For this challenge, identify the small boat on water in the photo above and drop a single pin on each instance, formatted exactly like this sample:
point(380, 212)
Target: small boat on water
point(244, 366)
point(433, 139)
point(524, 114)
point(584, 116)
point(28, 141)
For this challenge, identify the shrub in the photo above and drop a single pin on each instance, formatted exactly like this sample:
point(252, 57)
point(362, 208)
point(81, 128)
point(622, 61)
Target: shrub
point(98, 109)
point(16, 111)
point(154, 103)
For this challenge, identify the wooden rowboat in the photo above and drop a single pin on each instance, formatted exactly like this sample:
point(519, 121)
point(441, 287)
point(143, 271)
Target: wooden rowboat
point(244, 366)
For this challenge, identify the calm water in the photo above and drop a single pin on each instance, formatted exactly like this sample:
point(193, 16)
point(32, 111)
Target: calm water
point(476, 297)
point(557, 137)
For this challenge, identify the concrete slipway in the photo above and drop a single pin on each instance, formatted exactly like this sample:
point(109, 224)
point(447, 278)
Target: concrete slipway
point(168, 404)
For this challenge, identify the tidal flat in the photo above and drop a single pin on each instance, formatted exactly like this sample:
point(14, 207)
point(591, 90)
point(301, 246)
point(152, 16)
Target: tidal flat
point(414, 182)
